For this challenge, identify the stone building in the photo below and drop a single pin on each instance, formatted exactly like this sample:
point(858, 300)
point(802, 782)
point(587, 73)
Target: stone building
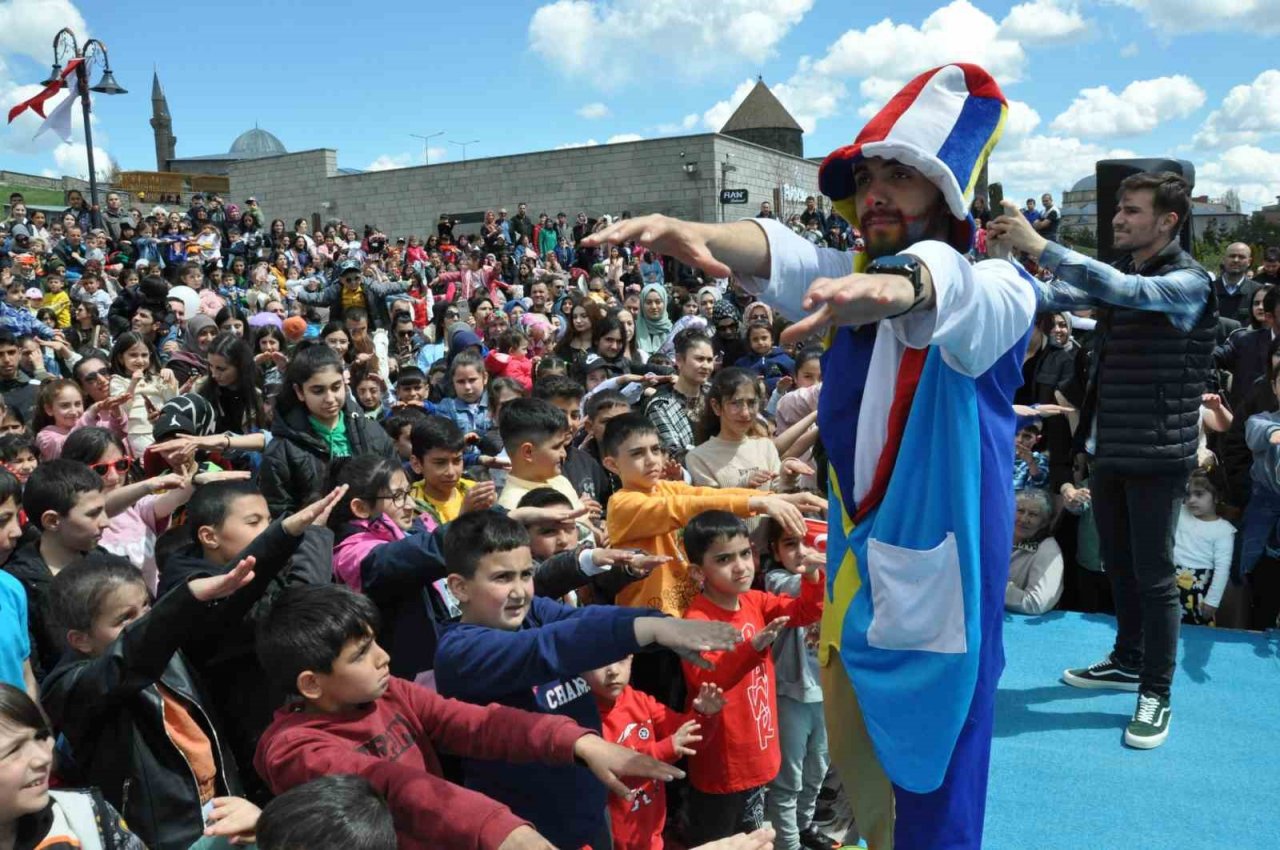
point(759, 150)
point(250, 144)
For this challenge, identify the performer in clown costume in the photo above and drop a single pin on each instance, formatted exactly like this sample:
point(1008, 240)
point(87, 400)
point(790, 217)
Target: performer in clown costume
point(924, 354)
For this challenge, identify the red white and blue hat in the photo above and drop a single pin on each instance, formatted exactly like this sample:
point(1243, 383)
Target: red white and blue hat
point(944, 123)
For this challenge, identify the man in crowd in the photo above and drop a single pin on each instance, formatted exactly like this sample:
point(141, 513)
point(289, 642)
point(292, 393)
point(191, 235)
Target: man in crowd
point(1050, 218)
point(1233, 287)
point(114, 216)
point(766, 210)
point(1152, 360)
point(521, 225)
point(1030, 213)
point(813, 214)
point(1270, 271)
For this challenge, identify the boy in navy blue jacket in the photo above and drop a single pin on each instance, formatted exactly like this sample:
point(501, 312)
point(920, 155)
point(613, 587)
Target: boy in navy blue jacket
point(529, 652)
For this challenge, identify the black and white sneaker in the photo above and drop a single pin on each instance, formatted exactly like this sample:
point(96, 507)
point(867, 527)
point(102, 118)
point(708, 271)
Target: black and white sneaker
point(1106, 674)
point(1150, 724)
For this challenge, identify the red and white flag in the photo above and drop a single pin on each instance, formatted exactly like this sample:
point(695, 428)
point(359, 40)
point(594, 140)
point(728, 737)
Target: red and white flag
point(59, 120)
point(37, 103)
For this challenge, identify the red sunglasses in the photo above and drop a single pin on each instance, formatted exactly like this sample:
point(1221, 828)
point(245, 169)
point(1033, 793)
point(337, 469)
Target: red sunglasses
point(120, 465)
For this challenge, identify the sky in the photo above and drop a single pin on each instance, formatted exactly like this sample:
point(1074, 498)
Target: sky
point(1085, 79)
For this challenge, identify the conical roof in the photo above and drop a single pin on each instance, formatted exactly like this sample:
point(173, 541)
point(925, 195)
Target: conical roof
point(761, 110)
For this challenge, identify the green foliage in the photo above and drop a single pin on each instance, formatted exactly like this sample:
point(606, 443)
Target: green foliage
point(39, 197)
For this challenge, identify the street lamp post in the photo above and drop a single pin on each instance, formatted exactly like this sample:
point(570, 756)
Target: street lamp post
point(463, 145)
point(66, 46)
point(426, 151)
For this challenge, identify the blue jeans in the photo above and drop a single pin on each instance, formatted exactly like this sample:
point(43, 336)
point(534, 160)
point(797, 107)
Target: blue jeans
point(1257, 526)
point(793, 794)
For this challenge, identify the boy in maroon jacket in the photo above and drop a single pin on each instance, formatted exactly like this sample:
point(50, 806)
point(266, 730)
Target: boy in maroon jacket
point(353, 717)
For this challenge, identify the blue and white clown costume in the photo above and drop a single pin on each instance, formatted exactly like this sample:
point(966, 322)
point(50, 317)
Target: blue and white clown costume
point(916, 414)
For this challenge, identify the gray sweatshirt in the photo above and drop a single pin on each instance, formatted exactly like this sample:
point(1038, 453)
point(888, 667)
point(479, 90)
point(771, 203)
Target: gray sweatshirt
point(796, 663)
point(1265, 471)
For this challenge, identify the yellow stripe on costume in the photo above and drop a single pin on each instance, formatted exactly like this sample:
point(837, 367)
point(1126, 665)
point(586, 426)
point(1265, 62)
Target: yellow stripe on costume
point(986, 152)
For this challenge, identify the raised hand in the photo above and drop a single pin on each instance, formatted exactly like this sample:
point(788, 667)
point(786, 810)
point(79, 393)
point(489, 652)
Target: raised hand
point(794, 466)
point(234, 818)
point(554, 515)
point(761, 839)
point(316, 513)
point(210, 588)
point(480, 497)
point(680, 239)
point(807, 502)
point(855, 299)
point(688, 638)
point(765, 637)
point(758, 478)
point(710, 699)
point(685, 737)
point(610, 762)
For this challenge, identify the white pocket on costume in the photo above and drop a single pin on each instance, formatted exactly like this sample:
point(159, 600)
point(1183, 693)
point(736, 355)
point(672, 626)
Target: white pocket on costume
point(918, 598)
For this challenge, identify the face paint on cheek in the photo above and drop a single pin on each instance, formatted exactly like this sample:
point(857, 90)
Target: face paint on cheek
point(917, 228)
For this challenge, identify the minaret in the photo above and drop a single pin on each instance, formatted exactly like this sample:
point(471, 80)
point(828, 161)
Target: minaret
point(161, 124)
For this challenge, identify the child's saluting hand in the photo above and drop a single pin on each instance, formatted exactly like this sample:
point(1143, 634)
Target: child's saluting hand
point(710, 699)
point(221, 586)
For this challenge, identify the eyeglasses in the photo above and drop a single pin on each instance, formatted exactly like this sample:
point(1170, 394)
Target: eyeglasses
point(96, 375)
point(405, 334)
point(120, 465)
point(397, 497)
point(451, 314)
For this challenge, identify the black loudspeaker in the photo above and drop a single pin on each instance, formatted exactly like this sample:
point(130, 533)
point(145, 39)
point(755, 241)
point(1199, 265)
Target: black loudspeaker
point(1110, 173)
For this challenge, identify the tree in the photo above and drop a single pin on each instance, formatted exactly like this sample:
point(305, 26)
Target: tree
point(1231, 198)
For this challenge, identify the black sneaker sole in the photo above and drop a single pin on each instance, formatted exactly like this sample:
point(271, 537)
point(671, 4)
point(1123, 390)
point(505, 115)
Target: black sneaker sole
point(1070, 678)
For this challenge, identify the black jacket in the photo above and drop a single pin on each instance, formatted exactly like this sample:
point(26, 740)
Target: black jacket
point(112, 715)
point(1244, 355)
point(242, 694)
point(295, 466)
point(1147, 381)
point(47, 642)
point(20, 394)
point(1239, 305)
point(375, 299)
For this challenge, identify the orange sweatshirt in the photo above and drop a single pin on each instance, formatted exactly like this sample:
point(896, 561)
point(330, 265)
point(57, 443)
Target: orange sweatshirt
point(741, 751)
point(649, 521)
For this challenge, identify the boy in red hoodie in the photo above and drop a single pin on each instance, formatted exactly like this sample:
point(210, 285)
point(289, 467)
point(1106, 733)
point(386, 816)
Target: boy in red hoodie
point(740, 755)
point(509, 358)
point(354, 717)
point(639, 722)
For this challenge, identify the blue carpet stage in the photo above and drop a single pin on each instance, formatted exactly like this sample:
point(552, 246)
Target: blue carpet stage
point(1060, 778)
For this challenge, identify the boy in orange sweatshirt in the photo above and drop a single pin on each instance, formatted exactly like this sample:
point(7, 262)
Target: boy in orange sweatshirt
point(641, 723)
point(739, 755)
point(647, 511)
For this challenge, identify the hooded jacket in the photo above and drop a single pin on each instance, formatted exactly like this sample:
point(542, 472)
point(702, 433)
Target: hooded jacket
point(772, 366)
point(295, 466)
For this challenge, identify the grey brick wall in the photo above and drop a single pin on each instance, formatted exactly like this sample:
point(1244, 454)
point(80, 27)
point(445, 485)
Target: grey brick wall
point(643, 177)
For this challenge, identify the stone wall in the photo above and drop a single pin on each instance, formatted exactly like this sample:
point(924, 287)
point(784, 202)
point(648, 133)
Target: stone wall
point(642, 177)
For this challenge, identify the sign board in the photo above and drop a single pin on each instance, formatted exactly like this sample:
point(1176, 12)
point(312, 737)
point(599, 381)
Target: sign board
point(733, 196)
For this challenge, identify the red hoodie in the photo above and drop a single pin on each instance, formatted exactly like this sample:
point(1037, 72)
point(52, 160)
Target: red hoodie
point(741, 751)
point(641, 723)
point(392, 743)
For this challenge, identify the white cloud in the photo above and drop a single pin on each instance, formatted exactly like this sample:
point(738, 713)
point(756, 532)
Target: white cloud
point(1022, 120)
point(620, 138)
point(714, 118)
point(1037, 164)
point(1129, 51)
point(1248, 113)
point(388, 161)
point(1139, 108)
point(1250, 170)
point(684, 125)
point(27, 27)
point(593, 110)
point(1182, 16)
point(612, 40)
point(1044, 22)
point(889, 54)
point(73, 161)
point(589, 143)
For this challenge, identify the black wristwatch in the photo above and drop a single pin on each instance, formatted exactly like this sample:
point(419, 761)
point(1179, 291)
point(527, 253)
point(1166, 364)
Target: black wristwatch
point(901, 265)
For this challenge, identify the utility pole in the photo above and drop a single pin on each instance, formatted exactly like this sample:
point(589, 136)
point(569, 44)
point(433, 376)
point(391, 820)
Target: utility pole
point(426, 151)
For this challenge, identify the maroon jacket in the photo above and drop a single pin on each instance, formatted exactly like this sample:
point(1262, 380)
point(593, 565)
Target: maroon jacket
point(392, 743)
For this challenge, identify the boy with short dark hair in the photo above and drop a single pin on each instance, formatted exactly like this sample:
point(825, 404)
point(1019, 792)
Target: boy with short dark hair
point(352, 716)
point(223, 519)
point(521, 650)
point(739, 755)
point(535, 433)
point(437, 445)
point(19, 455)
point(412, 389)
point(585, 474)
point(399, 427)
point(65, 501)
point(648, 511)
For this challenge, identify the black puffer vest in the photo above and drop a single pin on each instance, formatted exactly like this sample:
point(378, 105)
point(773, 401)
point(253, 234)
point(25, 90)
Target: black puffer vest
point(1147, 380)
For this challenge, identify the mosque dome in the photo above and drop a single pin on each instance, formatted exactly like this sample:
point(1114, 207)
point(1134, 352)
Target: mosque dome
point(255, 143)
point(1086, 184)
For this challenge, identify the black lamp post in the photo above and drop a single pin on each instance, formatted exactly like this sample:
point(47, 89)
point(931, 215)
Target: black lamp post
point(65, 47)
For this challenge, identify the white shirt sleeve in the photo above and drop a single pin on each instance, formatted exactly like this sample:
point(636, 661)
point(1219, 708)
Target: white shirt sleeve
point(980, 311)
point(795, 262)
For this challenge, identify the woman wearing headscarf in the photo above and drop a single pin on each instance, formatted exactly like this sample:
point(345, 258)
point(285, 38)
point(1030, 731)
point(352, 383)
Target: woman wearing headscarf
point(653, 325)
point(727, 342)
point(191, 361)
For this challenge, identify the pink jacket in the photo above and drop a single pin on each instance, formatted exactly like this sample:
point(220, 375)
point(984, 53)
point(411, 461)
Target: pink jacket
point(350, 553)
